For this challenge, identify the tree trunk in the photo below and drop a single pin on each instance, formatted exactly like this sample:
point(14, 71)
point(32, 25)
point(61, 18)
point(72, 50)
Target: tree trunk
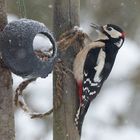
point(6, 97)
point(66, 16)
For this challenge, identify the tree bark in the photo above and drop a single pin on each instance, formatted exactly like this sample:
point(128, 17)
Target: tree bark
point(6, 97)
point(66, 16)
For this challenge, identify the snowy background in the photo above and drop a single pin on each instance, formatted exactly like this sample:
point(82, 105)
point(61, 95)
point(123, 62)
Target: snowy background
point(115, 112)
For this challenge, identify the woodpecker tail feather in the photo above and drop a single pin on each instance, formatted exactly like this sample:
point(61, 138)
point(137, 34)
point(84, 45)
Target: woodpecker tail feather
point(81, 114)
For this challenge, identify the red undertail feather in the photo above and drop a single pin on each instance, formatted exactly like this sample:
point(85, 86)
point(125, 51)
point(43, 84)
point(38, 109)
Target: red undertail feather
point(83, 107)
point(80, 88)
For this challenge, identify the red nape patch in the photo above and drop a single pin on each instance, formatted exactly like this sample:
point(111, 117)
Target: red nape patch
point(80, 90)
point(123, 34)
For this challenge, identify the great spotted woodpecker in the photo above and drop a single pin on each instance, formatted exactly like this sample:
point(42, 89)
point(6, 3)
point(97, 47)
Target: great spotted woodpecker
point(93, 65)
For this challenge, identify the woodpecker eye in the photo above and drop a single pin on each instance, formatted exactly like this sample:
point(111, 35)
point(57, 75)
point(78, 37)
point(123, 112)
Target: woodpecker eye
point(109, 28)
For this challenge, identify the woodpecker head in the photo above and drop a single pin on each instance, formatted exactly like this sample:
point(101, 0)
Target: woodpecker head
point(110, 32)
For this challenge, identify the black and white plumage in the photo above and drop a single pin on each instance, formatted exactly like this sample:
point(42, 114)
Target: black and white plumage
point(93, 65)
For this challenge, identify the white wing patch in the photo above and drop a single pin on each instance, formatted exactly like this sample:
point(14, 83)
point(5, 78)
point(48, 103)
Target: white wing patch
point(81, 57)
point(100, 66)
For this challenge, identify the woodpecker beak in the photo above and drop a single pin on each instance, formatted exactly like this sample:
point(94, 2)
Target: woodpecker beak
point(98, 28)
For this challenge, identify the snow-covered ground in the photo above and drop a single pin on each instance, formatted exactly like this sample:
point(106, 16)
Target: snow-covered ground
point(101, 122)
